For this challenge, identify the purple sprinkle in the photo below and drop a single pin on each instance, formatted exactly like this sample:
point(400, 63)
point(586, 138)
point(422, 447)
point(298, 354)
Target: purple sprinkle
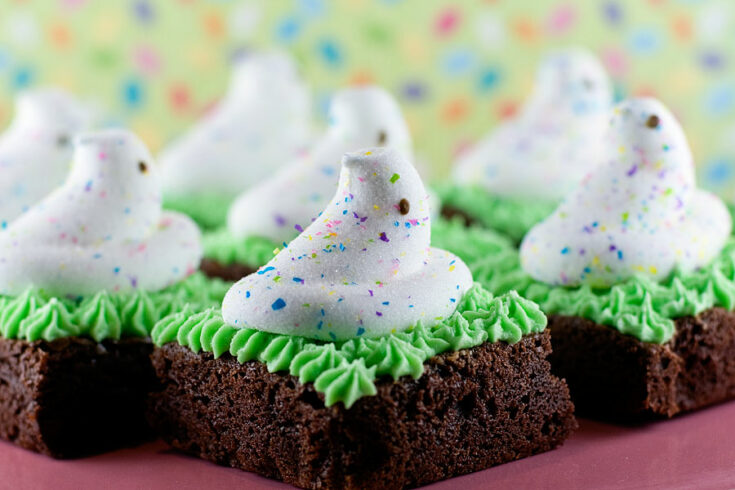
point(378, 313)
point(371, 292)
point(612, 248)
point(632, 170)
point(298, 228)
point(383, 237)
point(280, 220)
point(278, 304)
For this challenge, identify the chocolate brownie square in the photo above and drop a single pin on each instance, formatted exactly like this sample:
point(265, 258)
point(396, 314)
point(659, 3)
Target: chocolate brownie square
point(471, 409)
point(618, 377)
point(73, 396)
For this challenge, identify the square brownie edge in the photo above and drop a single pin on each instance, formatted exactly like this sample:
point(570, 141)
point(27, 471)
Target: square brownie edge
point(74, 397)
point(470, 410)
point(617, 377)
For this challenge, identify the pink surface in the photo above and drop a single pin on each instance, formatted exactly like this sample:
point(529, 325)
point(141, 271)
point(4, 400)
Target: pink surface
point(693, 451)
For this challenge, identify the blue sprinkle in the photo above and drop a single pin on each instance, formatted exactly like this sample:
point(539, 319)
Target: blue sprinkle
point(4, 224)
point(247, 294)
point(331, 334)
point(298, 279)
point(116, 270)
point(319, 325)
point(341, 247)
point(565, 250)
point(278, 304)
point(265, 269)
point(330, 52)
point(322, 311)
point(620, 255)
point(386, 303)
point(360, 331)
point(452, 300)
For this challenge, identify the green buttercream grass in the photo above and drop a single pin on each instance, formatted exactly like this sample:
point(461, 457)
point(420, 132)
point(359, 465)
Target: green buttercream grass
point(511, 217)
point(226, 249)
point(639, 307)
point(346, 371)
point(35, 315)
point(208, 210)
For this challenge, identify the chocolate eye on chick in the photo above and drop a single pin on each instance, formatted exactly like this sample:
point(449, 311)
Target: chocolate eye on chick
point(62, 140)
point(143, 167)
point(652, 121)
point(382, 138)
point(404, 206)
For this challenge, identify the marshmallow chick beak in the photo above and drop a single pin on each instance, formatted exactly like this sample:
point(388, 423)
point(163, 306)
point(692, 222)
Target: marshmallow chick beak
point(363, 268)
point(262, 123)
point(637, 213)
point(36, 149)
point(547, 148)
point(283, 205)
point(103, 229)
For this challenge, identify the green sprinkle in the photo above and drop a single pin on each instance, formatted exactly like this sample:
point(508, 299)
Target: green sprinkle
point(394, 178)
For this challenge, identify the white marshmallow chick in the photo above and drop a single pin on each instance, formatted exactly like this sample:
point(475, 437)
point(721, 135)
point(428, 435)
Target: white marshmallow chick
point(363, 268)
point(544, 151)
point(36, 149)
point(102, 229)
point(637, 213)
point(282, 206)
point(261, 124)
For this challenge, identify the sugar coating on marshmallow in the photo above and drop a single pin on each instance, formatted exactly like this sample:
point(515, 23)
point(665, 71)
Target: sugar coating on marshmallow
point(36, 149)
point(638, 212)
point(282, 206)
point(544, 150)
point(363, 268)
point(102, 229)
point(261, 124)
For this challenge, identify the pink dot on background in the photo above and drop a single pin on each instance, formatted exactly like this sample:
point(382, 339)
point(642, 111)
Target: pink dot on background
point(561, 19)
point(179, 97)
point(147, 60)
point(447, 21)
point(615, 61)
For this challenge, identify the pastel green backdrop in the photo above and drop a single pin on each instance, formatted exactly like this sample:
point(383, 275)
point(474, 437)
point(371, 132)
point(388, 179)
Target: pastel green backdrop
point(457, 67)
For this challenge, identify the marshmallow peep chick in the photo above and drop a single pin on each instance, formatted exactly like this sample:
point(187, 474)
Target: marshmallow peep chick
point(363, 268)
point(544, 151)
point(36, 149)
point(102, 229)
point(285, 204)
point(637, 213)
point(261, 123)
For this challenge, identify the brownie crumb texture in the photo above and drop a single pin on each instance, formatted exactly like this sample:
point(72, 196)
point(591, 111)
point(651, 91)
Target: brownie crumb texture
point(618, 377)
point(226, 272)
point(470, 410)
point(74, 397)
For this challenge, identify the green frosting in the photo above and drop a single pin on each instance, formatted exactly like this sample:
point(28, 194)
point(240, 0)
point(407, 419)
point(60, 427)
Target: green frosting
point(34, 315)
point(208, 210)
point(346, 371)
point(468, 243)
point(221, 246)
point(639, 307)
point(512, 217)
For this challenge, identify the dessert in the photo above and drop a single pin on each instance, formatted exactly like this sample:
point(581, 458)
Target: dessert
point(84, 275)
point(636, 270)
point(37, 142)
point(517, 175)
point(360, 356)
point(261, 124)
point(287, 202)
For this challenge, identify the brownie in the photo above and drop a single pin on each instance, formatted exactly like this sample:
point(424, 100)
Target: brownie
point(618, 377)
point(470, 410)
point(226, 272)
point(450, 212)
point(73, 396)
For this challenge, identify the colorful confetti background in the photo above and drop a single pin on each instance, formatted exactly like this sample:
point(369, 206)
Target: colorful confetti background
point(458, 67)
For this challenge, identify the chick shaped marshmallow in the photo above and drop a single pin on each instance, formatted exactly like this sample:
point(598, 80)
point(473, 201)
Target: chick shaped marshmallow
point(36, 149)
point(260, 124)
point(638, 212)
point(363, 268)
point(548, 147)
point(102, 229)
point(282, 206)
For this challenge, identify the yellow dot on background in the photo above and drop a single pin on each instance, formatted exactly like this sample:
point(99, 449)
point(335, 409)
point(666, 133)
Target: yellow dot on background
point(106, 28)
point(149, 133)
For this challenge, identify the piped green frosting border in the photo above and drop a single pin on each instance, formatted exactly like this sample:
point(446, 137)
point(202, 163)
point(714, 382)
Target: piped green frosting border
point(208, 210)
point(511, 217)
point(347, 371)
point(35, 315)
point(639, 307)
point(226, 249)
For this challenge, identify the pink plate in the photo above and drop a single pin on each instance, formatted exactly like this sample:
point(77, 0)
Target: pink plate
point(692, 451)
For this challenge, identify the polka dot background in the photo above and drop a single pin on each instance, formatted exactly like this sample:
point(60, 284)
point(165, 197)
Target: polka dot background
point(457, 67)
